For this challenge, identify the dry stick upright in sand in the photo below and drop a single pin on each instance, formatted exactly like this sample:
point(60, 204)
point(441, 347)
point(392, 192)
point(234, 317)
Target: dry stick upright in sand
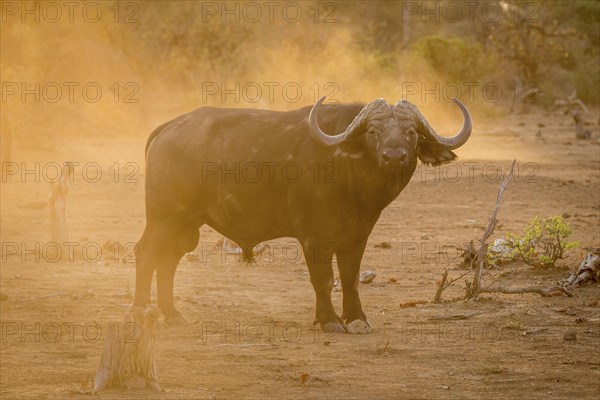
point(445, 283)
point(128, 353)
point(441, 287)
point(57, 200)
point(476, 286)
point(580, 131)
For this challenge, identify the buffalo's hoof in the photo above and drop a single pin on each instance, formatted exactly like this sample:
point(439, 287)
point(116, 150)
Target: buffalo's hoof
point(359, 327)
point(333, 327)
point(174, 318)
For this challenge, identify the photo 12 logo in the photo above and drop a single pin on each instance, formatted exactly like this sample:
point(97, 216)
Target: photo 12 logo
point(267, 92)
point(445, 333)
point(69, 172)
point(66, 331)
point(71, 92)
point(241, 332)
point(471, 171)
point(70, 251)
point(490, 92)
point(470, 11)
point(270, 12)
point(126, 12)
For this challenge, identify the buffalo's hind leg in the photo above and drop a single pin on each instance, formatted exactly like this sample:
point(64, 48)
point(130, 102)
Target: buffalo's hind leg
point(161, 247)
point(321, 276)
point(144, 271)
point(349, 270)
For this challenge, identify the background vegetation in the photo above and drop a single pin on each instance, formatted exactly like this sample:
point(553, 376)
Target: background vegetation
point(367, 49)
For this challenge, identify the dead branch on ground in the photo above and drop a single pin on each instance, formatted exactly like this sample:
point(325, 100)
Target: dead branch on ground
point(588, 271)
point(551, 291)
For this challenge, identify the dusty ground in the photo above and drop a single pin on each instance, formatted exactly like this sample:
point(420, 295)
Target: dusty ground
point(511, 346)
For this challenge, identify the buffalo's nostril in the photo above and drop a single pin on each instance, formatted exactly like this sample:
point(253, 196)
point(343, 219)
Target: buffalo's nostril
point(394, 157)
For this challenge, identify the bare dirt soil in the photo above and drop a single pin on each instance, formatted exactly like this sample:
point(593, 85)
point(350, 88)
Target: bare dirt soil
point(249, 332)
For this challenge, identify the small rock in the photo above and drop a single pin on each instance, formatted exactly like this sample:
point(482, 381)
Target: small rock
point(337, 285)
point(367, 277)
point(570, 335)
point(565, 215)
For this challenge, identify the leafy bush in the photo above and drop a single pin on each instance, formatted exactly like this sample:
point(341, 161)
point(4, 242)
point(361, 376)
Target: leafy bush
point(587, 82)
point(454, 59)
point(544, 243)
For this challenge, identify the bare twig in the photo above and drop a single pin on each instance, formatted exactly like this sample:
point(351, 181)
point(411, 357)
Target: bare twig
point(476, 286)
point(446, 283)
point(455, 279)
point(441, 287)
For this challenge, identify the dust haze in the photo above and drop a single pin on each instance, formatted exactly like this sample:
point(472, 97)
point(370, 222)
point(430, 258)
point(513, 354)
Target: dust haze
point(89, 84)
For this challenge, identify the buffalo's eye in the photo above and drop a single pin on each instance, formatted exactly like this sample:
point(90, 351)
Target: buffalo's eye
point(410, 133)
point(372, 132)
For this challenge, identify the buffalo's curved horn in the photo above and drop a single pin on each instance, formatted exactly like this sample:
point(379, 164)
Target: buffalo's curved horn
point(327, 140)
point(315, 129)
point(461, 137)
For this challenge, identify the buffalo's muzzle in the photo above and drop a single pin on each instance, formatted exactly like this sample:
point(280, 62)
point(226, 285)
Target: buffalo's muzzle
point(391, 158)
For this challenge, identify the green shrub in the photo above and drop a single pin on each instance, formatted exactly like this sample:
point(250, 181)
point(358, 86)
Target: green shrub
point(544, 242)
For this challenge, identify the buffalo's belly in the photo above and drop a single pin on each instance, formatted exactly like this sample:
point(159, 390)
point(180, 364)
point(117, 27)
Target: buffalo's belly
point(249, 214)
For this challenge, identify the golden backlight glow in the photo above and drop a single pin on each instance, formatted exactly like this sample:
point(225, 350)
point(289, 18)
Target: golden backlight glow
point(86, 82)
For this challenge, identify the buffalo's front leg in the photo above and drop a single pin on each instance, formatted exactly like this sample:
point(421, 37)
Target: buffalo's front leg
point(319, 260)
point(349, 269)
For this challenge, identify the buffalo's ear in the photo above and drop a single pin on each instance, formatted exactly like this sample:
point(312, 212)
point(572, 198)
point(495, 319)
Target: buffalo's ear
point(433, 153)
point(350, 149)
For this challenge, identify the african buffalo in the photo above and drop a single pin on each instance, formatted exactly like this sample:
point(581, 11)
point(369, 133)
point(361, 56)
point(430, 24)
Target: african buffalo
point(340, 183)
